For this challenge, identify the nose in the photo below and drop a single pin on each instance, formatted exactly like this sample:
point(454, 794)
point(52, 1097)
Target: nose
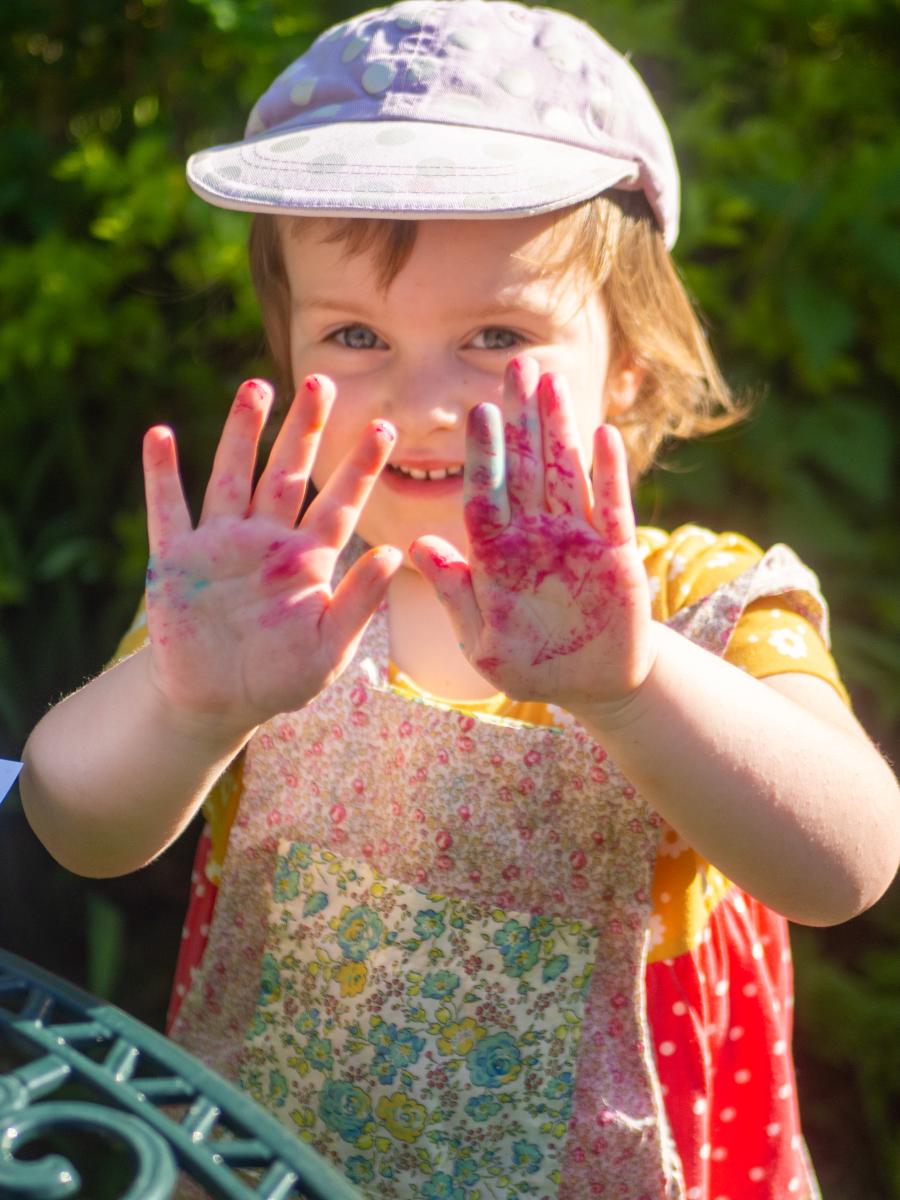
point(429, 394)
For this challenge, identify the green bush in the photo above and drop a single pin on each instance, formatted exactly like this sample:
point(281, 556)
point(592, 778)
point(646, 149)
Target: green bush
point(124, 301)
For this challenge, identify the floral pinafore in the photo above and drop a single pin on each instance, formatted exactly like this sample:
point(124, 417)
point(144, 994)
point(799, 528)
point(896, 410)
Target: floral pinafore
point(428, 951)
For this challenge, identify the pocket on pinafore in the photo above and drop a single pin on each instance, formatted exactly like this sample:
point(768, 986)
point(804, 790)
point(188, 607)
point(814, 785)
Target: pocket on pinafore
point(424, 1042)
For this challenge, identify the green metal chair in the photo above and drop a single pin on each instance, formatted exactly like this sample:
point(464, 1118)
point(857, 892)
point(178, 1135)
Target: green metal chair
point(94, 1103)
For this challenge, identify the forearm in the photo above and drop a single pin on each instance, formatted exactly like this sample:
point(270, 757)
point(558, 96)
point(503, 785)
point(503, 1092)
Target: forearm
point(111, 777)
point(801, 812)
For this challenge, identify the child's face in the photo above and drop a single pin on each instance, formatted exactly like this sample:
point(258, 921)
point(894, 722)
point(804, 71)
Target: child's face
point(435, 344)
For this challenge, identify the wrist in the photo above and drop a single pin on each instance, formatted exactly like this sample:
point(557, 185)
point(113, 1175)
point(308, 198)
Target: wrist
point(216, 732)
point(622, 711)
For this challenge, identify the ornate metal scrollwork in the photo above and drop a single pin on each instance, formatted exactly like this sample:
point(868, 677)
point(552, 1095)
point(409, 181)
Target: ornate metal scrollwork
point(71, 1065)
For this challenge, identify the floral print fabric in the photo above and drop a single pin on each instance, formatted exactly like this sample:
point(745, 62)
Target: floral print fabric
point(426, 1034)
point(516, 825)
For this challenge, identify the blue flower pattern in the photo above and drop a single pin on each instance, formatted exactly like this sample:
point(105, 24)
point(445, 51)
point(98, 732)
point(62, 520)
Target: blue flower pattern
point(424, 1042)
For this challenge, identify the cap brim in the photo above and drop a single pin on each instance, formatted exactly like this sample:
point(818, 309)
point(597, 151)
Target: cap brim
point(402, 168)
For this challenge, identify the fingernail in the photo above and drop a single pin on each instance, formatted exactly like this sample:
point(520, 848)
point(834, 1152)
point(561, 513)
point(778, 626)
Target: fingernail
point(312, 383)
point(385, 430)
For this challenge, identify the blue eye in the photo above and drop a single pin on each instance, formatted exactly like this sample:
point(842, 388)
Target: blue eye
point(496, 338)
point(358, 337)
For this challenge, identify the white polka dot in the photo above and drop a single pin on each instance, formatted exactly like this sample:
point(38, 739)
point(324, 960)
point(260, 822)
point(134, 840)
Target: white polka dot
point(794, 1184)
point(752, 638)
point(325, 112)
point(749, 989)
point(757, 951)
point(784, 1091)
point(785, 955)
point(378, 77)
point(795, 1142)
point(719, 1154)
point(301, 92)
point(721, 988)
point(469, 39)
point(705, 1150)
point(564, 56)
point(694, 1193)
point(516, 81)
point(739, 905)
point(742, 1076)
point(181, 990)
point(664, 897)
point(699, 1107)
point(185, 932)
point(507, 151)
point(287, 145)
point(255, 124)
point(421, 70)
point(727, 1114)
point(679, 1008)
point(757, 1174)
point(353, 49)
point(600, 102)
point(667, 1049)
point(779, 1047)
point(560, 119)
point(200, 890)
point(204, 929)
point(396, 135)
point(774, 1129)
point(735, 1034)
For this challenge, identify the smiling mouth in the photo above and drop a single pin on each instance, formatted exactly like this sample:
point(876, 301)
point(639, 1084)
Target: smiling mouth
point(431, 473)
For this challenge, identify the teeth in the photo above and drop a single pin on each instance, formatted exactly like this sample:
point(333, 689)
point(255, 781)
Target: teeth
point(439, 473)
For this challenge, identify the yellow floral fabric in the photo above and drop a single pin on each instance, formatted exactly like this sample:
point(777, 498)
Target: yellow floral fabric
point(682, 567)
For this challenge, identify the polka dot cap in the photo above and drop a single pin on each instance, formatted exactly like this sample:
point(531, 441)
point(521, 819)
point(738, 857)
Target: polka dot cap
point(457, 108)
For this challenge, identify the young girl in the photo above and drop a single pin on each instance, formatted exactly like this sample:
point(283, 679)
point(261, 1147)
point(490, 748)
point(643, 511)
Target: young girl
point(530, 942)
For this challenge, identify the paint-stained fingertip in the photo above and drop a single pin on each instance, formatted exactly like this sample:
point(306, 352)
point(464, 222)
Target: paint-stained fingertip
point(384, 430)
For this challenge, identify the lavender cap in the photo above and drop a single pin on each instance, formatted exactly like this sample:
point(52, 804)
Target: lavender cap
point(448, 108)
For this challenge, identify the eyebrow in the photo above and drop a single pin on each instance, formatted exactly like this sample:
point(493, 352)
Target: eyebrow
point(493, 311)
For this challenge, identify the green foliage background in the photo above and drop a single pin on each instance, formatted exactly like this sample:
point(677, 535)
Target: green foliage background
point(124, 301)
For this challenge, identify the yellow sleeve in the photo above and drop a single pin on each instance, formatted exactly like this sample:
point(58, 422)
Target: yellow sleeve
point(221, 804)
point(770, 638)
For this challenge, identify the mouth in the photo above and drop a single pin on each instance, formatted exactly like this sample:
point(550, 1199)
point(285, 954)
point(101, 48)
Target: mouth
point(424, 480)
point(432, 474)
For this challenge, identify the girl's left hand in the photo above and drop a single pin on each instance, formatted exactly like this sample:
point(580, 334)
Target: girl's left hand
point(553, 602)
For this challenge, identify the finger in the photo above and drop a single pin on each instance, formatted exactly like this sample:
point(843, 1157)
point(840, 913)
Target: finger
point(448, 573)
point(356, 598)
point(333, 514)
point(613, 507)
point(485, 499)
point(522, 431)
point(231, 479)
point(167, 510)
point(566, 486)
point(282, 485)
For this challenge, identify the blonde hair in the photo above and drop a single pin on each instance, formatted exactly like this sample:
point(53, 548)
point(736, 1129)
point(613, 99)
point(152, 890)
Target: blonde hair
point(613, 242)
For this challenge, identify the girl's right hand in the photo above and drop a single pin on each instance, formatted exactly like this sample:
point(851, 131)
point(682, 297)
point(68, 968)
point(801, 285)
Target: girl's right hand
point(243, 622)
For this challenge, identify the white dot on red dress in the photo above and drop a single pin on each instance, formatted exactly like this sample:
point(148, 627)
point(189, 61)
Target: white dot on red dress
point(742, 1076)
point(757, 1174)
point(667, 1048)
point(727, 1114)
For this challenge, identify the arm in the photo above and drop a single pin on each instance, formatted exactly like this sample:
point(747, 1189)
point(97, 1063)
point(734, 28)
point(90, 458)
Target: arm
point(773, 783)
point(242, 622)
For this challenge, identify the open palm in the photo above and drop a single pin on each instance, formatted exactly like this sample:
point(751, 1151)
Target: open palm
point(552, 603)
point(242, 618)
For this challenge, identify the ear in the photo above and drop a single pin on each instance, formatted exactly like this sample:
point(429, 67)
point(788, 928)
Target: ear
point(623, 383)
